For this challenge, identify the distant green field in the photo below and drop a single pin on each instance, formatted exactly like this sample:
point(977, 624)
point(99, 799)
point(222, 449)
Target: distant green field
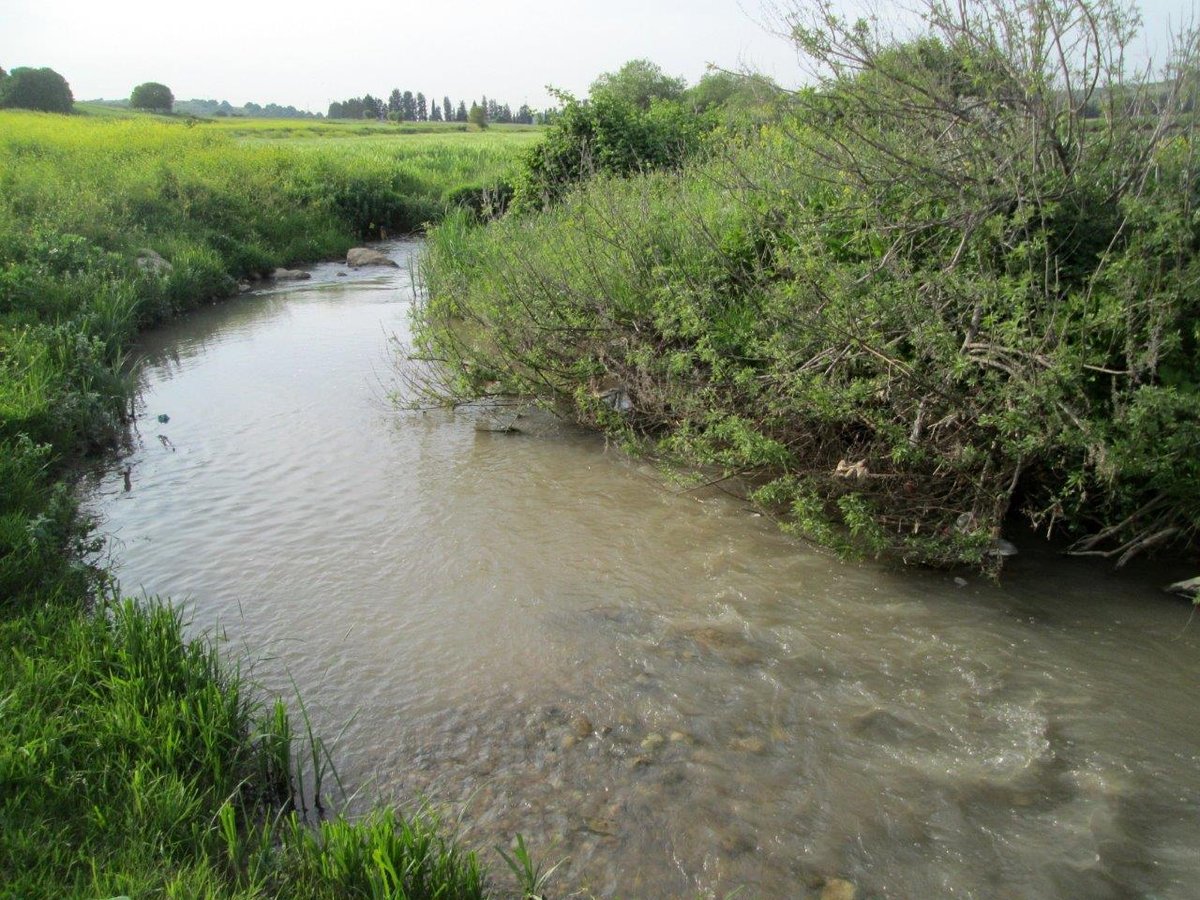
point(272, 128)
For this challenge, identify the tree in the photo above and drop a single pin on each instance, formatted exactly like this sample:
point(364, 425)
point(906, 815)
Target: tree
point(152, 96)
point(422, 114)
point(394, 101)
point(607, 134)
point(40, 89)
point(460, 114)
point(477, 116)
point(639, 82)
point(994, 268)
point(447, 110)
point(435, 114)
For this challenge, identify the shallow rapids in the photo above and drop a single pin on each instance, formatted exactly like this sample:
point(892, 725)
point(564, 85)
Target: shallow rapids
point(537, 632)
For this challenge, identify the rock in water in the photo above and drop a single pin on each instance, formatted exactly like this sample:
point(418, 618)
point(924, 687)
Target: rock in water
point(1001, 547)
point(149, 261)
point(1189, 588)
point(290, 275)
point(838, 889)
point(365, 256)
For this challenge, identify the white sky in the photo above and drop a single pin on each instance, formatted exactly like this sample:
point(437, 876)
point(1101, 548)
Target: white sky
point(307, 55)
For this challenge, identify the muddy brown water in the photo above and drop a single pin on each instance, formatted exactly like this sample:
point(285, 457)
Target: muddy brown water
point(542, 636)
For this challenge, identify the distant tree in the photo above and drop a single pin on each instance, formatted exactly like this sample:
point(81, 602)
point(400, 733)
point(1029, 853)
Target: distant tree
point(371, 108)
point(460, 114)
point(40, 89)
point(447, 110)
point(422, 112)
point(477, 116)
point(152, 96)
point(408, 106)
point(435, 112)
point(525, 114)
point(335, 111)
point(3, 74)
point(639, 81)
point(394, 101)
point(253, 109)
point(741, 98)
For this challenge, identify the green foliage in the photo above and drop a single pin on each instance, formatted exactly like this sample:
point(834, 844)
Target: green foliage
point(38, 89)
point(152, 96)
point(477, 116)
point(638, 83)
point(531, 876)
point(134, 763)
point(607, 134)
point(935, 294)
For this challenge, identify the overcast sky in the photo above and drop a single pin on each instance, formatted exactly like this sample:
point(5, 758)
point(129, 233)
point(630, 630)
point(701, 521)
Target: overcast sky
point(308, 55)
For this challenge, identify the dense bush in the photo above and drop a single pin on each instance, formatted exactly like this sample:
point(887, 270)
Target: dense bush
point(606, 134)
point(939, 291)
point(38, 89)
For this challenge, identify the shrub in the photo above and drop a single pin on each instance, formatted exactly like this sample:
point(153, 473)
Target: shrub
point(38, 89)
point(940, 292)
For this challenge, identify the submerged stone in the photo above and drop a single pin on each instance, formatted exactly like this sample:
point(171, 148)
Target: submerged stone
point(748, 745)
point(882, 727)
point(652, 742)
point(838, 889)
point(290, 275)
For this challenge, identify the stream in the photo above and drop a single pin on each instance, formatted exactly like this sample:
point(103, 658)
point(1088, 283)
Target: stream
point(539, 634)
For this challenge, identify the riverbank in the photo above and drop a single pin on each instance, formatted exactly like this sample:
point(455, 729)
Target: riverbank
point(908, 331)
point(132, 760)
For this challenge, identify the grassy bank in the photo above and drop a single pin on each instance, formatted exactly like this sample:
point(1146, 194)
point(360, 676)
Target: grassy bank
point(950, 286)
point(131, 760)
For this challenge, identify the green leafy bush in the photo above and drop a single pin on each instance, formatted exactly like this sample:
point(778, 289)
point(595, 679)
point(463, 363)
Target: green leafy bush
point(940, 291)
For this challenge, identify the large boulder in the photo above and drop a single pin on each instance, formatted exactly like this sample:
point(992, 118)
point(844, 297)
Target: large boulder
point(150, 262)
point(290, 275)
point(365, 256)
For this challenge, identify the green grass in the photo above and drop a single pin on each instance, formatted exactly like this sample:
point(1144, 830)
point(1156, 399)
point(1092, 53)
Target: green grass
point(134, 762)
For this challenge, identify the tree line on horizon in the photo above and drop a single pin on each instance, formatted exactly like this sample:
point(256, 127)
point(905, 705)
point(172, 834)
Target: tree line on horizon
point(405, 106)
